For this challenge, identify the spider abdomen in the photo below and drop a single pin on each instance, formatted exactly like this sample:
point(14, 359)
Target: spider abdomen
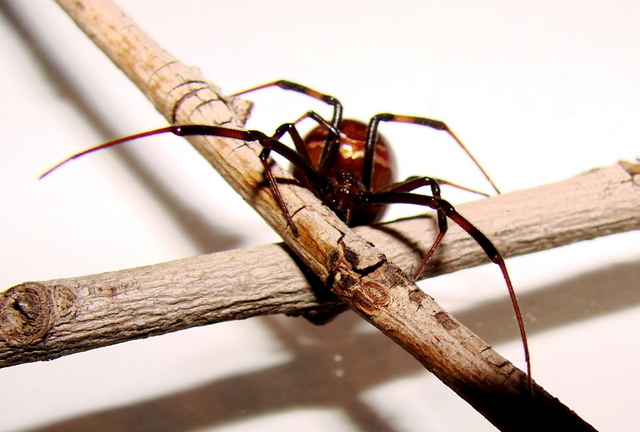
point(349, 159)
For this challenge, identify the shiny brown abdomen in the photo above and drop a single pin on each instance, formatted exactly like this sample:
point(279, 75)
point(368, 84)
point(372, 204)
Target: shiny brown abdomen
point(350, 159)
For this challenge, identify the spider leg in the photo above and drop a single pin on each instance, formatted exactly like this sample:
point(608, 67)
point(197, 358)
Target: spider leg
point(288, 85)
point(268, 143)
point(330, 149)
point(410, 184)
point(176, 130)
point(300, 161)
point(415, 182)
point(444, 207)
point(264, 158)
point(372, 133)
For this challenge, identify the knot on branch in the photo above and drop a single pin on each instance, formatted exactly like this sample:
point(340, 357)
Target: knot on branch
point(29, 311)
point(362, 279)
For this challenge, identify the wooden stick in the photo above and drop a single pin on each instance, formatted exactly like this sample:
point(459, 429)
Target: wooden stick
point(87, 312)
point(358, 273)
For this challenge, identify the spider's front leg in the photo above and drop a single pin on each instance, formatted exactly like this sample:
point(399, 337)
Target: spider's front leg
point(268, 143)
point(184, 130)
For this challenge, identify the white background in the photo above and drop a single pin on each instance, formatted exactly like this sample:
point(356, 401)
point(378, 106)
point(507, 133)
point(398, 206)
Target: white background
point(540, 91)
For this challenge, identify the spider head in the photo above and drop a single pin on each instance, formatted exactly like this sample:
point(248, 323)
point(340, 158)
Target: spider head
point(344, 195)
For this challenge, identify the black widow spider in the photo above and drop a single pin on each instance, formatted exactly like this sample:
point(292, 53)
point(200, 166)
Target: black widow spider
point(349, 166)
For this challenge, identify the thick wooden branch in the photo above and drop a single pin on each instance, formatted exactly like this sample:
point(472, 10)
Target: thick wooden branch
point(360, 275)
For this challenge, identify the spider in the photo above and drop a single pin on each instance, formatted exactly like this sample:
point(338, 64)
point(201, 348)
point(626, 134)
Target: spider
point(349, 166)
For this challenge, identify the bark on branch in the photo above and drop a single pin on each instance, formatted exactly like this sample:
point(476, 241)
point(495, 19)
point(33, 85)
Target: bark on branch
point(48, 319)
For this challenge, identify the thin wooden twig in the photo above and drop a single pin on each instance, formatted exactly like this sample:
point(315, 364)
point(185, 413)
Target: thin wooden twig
point(357, 273)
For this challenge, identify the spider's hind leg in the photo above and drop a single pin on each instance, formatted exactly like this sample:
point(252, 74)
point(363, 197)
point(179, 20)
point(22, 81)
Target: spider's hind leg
point(413, 183)
point(445, 208)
